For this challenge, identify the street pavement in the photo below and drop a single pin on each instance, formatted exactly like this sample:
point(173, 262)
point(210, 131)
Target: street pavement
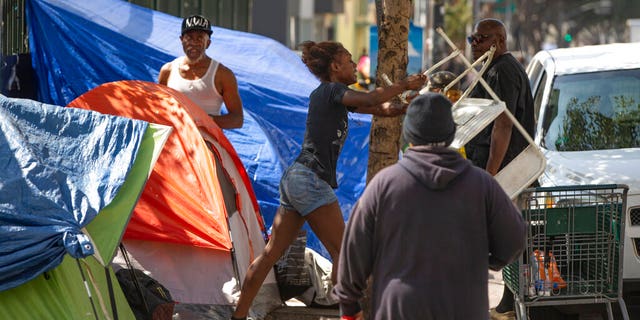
point(496, 287)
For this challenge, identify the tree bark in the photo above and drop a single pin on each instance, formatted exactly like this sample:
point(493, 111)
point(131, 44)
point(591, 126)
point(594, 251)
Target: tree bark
point(393, 33)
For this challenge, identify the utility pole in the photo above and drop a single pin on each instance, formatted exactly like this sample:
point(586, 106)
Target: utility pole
point(438, 51)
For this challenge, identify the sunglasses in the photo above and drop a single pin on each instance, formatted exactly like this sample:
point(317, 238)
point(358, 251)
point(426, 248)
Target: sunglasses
point(479, 38)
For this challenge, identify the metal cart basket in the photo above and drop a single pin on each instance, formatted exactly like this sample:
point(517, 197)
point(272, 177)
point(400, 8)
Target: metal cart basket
point(573, 254)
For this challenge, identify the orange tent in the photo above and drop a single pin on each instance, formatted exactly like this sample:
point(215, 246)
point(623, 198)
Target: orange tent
point(198, 197)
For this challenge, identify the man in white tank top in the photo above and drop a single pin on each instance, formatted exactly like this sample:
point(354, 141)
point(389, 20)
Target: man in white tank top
point(204, 80)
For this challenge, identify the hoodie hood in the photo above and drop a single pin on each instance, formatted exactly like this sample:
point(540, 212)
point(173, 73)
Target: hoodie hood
point(435, 167)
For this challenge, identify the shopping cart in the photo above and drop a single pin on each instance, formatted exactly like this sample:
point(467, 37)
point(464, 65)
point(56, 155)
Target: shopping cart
point(573, 254)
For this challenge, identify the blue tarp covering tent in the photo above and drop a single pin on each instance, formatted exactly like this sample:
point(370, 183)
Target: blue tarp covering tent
point(59, 202)
point(77, 45)
point(54, 183)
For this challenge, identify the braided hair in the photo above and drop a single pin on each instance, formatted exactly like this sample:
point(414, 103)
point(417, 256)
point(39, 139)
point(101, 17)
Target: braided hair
point(318, 57)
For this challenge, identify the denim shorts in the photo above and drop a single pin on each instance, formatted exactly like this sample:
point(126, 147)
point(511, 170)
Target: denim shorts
point(303, 191)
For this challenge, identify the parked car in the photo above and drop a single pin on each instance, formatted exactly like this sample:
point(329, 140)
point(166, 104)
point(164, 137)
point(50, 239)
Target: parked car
point(587, 104)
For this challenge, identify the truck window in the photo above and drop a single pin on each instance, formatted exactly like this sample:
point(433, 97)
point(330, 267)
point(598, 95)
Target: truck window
point(593, 111)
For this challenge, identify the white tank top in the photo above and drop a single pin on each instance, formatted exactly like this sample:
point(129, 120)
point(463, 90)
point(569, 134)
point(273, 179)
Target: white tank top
point(201, 91)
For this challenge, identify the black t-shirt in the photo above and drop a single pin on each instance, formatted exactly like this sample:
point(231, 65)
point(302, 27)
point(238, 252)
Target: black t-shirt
point(509, 81)
point(326, 131)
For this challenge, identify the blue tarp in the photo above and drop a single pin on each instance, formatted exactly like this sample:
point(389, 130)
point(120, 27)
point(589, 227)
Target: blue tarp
point(78, 45)
point(54, 181)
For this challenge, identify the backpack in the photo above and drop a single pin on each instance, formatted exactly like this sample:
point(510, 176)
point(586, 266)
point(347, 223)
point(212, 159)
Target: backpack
point(148, 299)
point(291, 271)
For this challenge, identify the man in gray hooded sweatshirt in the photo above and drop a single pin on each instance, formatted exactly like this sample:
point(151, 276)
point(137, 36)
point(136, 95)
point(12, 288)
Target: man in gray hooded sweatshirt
point(427, 229)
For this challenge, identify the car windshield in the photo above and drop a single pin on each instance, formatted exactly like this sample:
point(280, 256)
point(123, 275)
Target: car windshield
point(593, 111)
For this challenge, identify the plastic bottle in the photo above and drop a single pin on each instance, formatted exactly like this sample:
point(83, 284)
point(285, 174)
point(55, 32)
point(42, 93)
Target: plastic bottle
point(529, 281)
point(540, 275)
point(554, 273)
point(548, 283)
point(535, 275)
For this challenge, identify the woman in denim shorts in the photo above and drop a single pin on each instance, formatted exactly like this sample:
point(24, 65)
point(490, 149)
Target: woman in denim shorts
point(307, 186)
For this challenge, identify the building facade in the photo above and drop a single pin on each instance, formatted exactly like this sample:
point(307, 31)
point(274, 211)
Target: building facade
point(230, 14)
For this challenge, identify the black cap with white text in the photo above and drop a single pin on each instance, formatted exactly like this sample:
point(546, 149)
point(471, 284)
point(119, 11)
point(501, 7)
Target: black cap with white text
point(196, 22)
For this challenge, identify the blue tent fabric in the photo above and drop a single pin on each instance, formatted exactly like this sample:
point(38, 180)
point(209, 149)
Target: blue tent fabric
point(60, 167)
point(77, 45)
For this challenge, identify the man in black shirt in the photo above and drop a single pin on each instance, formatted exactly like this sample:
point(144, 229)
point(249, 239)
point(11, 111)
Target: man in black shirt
point(499, 143)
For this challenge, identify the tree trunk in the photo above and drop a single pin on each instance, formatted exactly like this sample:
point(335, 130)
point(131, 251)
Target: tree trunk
point(384, 138)
point(393, 33)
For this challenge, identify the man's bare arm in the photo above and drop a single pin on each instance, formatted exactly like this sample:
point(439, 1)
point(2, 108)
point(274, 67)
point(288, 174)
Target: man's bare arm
point(165, 71)
point(227, 86)
point(500, 138)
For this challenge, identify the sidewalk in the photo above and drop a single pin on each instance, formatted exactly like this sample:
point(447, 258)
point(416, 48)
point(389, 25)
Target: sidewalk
point(496, 287)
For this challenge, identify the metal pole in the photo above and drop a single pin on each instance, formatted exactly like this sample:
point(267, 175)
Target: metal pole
point(438, 50)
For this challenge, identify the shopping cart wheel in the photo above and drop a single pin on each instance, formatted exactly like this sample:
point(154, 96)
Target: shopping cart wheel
point(521, 309)
point(623, 309)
